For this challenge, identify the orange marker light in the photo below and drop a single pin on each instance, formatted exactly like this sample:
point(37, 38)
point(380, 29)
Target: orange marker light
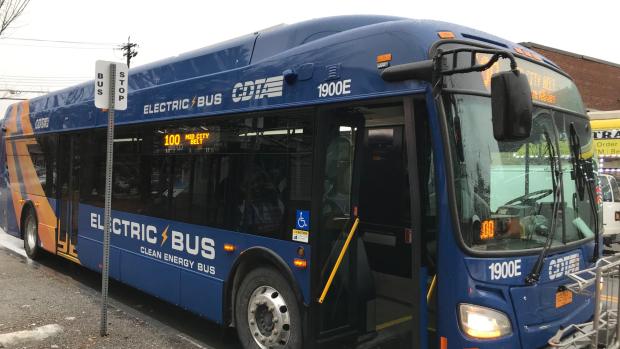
point(446, 35)
point(487, 229)
point(229, 248)
point(386, 57)
point(300, 263)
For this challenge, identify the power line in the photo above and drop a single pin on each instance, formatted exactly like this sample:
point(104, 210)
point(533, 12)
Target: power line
point(38, 79)
point(63, 47)
point(45, 77)
point(27, 81)
point(63, 41)
point(17, 91)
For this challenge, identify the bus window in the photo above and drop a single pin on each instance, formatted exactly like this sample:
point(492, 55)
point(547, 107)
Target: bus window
point(246, 174)
point(340, 136)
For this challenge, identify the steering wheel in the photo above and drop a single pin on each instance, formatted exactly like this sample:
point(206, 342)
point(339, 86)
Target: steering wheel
point(533, 196)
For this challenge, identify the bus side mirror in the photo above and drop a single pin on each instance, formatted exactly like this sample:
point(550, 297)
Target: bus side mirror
point(511, 105)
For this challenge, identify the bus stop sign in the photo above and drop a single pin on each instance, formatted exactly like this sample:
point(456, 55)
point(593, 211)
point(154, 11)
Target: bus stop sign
point(102, 85)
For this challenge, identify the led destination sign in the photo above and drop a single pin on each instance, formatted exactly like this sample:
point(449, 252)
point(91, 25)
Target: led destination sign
point(188, 141)
point(543, 82)
point(547, 86)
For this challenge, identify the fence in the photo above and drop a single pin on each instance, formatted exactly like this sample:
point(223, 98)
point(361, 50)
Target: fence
point(602, 283)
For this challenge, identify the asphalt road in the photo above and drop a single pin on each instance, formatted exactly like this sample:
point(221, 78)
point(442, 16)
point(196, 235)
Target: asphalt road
point(54, 303)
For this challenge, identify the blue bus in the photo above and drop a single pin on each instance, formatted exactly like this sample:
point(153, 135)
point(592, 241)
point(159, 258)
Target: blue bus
point(346, 182)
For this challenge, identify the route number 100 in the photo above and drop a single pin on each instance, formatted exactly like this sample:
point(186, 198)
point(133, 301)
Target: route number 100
point(504, 270)
point(172, 139)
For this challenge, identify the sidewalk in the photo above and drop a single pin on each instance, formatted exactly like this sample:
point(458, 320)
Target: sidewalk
point(41, 307)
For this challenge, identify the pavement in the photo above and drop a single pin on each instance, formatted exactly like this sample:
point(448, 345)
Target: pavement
point(54, 303)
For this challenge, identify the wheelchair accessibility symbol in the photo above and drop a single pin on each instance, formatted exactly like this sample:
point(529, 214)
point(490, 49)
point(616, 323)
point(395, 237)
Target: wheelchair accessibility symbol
point(303, 220)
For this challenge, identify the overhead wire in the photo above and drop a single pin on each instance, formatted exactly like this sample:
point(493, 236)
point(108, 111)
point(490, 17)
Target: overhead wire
point(62, 41)
point(60, 47)
point(24, 82)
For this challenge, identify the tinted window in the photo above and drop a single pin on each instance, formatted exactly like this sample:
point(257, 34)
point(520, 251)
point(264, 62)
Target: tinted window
point(93, 155)
point(246, 174)
point(43, 156)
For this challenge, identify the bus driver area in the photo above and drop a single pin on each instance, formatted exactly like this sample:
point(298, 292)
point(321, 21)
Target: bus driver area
point(344, 182)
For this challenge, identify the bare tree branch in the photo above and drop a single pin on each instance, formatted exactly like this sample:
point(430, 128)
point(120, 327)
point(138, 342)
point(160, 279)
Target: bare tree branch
point(9, 11)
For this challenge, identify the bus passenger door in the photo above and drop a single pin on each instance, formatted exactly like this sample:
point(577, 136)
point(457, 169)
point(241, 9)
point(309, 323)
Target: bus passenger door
point(68, 195)
point(366, 174)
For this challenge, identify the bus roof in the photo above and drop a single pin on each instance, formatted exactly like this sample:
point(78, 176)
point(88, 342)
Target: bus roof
point(247, 73)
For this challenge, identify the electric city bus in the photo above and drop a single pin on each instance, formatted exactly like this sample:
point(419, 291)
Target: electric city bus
point(347, 182)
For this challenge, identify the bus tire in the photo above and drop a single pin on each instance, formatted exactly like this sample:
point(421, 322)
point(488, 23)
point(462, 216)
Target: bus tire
point(31, 235)
point(267, 312)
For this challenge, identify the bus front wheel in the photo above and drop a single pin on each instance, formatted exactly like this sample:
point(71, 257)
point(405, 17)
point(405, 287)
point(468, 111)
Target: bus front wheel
point(267, 312)
point(31, 235)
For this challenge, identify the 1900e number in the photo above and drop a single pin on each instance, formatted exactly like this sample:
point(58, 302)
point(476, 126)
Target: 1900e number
point(335, 88)
point(504, 270)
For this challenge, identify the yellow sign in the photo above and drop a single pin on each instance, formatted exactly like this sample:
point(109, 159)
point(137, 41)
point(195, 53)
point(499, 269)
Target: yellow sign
point(607, 147)
point(300, 235)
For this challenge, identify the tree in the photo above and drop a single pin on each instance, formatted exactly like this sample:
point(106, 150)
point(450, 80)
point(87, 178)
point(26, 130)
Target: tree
point(9, 11)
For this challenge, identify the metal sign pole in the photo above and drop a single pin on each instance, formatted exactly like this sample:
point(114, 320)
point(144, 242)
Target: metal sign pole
point(108, 205)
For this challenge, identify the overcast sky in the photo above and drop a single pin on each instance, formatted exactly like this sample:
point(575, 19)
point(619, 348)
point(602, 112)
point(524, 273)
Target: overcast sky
point(167, 28)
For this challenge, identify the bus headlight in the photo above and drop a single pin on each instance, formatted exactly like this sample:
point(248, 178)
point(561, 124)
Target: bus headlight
point(482, 322)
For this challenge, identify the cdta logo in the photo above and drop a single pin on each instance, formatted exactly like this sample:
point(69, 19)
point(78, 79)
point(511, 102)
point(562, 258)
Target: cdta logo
point(564, 265)
point(257, 89)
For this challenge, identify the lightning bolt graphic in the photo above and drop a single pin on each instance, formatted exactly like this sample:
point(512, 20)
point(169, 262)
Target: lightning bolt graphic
point(193, 102)
point(164, 235)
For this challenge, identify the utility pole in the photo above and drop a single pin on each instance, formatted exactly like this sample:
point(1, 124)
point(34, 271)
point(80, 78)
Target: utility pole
point(130, 50)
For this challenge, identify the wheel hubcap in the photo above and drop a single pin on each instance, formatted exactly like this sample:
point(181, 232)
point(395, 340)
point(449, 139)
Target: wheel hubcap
point(268, 318)
point(31, 234)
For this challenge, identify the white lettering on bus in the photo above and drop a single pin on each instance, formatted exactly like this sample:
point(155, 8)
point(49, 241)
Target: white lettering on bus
point(258, 89)
point(334, 88)
point(201, 101)
point(504, 270)
point(193, 244)
point(179, 241)
point(564, 265)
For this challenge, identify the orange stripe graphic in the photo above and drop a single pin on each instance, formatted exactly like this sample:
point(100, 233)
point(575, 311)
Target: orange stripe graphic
point(30, 180)
point(13, 180)
point(45, 213)
point(15, 194)
point(25, 118)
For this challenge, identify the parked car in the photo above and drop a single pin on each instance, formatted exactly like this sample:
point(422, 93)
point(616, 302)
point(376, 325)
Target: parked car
point(611, 208)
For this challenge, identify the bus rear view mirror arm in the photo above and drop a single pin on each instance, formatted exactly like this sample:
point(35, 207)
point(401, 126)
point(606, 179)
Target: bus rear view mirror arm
point(422, 70)
point(510, 91)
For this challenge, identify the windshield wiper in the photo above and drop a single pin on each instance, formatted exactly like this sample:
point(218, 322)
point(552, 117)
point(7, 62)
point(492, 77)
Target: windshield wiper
point(583, 175)
point(556, 180)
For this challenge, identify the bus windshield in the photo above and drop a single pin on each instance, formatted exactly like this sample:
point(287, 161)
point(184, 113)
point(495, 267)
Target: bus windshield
point(505, 190)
